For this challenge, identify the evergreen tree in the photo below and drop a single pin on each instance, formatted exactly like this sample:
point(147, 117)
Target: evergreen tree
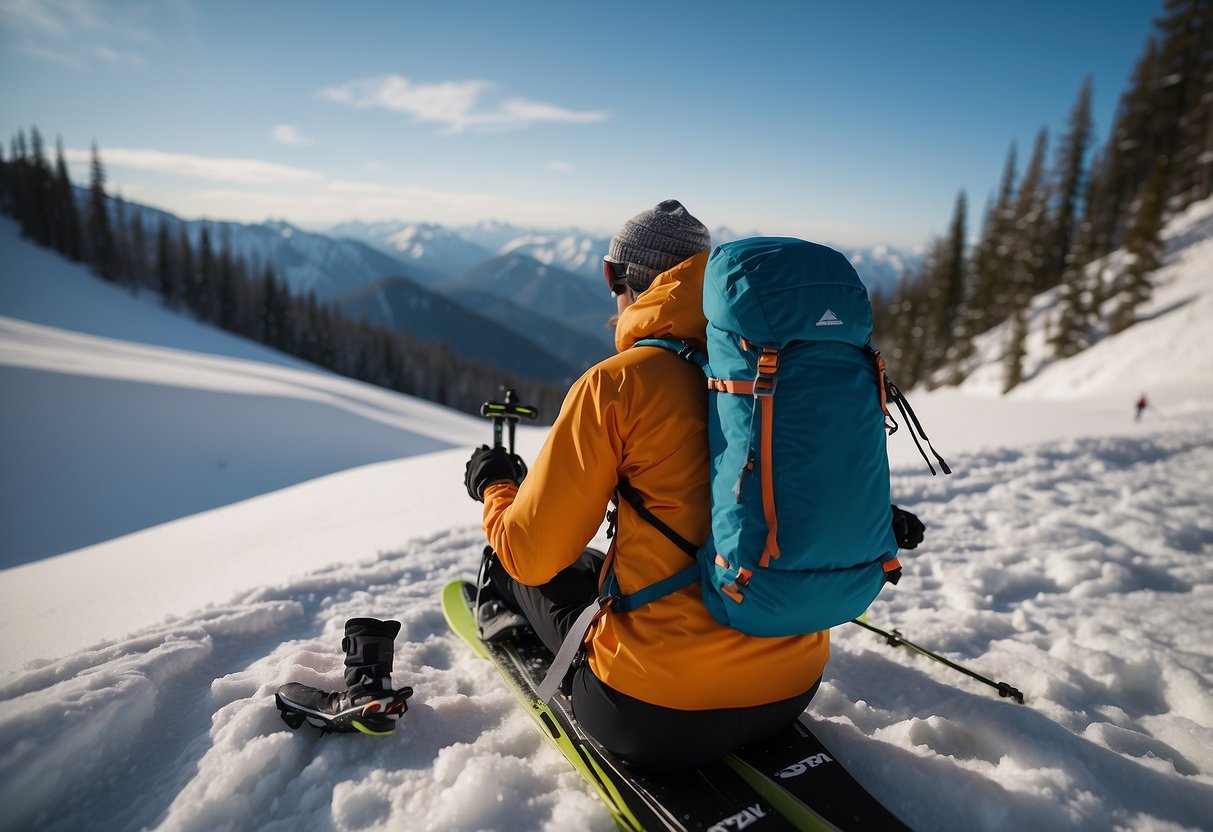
point(40, 184)
point(166, 269)
point(1143, 246)
point(6, 184)
point(187, 270)
point(124, 269)
point(1077, 304)
point(67, 215)
point(1016, 352)
point(1182, 124)
point(1069, 176)
point(202, 290)
point(101, 230)
point(985, 305)
point(227, 298)
point(950, 325)
point(909, 351)
point(1031, 233)
point(1129, 155)
point(1029, 257)
point(275, 325)
point(18, 176)
point(138, 251)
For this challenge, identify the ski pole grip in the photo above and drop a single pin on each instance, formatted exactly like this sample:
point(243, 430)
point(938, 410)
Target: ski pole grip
point(507, 412)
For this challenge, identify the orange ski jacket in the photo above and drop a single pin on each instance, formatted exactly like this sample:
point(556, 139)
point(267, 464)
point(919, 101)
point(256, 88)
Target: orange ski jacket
point(642, 414)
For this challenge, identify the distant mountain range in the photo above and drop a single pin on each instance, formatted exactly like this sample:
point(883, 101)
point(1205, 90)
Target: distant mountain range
point(529, 301)
point(438, 249)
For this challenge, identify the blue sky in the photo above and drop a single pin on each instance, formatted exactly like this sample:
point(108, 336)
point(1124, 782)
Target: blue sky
point(841, 122)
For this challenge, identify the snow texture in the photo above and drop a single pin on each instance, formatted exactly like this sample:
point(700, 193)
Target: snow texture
point(1068, 555)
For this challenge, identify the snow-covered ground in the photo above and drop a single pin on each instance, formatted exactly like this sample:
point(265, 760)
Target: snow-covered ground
point(1069, 555)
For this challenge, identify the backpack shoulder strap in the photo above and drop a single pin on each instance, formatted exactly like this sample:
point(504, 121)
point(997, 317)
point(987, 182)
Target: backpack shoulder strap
point(681, 348)
point(632, 497)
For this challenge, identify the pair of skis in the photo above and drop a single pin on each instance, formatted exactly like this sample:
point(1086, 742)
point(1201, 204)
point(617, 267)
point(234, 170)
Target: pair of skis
point(790, 782)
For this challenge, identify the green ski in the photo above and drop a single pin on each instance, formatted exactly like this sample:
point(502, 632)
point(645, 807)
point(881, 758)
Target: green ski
point(789, 782)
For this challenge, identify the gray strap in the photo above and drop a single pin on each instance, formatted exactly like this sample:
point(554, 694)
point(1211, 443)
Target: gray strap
point(569, 649)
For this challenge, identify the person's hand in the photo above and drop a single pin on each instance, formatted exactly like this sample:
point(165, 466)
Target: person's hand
point(907, 528)
point(490, 465)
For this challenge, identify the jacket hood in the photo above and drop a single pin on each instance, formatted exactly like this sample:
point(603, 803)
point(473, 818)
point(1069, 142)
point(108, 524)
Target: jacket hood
point(672, 307)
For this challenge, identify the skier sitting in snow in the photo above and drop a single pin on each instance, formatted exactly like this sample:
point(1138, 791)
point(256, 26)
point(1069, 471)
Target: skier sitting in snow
point(665, 685)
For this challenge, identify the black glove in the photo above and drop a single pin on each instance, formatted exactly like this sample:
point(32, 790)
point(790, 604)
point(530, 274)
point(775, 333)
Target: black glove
point(490, 465)
point(907, 528)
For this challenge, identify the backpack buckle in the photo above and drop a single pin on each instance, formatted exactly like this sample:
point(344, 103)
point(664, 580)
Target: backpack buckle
point(764, 379)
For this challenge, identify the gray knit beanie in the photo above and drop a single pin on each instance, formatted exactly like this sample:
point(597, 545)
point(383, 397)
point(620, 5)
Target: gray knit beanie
point(656, 240)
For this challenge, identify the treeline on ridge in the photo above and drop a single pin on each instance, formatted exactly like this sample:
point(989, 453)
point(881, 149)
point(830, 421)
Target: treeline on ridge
point(248, 299)
point(1058, 224)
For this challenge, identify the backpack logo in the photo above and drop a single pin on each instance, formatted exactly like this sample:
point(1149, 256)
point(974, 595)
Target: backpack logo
point(829, 319)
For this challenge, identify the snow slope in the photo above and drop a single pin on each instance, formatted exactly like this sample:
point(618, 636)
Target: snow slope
point(1168, 348)
point(1069, 555)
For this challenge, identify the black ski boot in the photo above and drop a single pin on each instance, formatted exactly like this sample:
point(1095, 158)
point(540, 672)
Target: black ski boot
point(495, 620)
point(369, 705)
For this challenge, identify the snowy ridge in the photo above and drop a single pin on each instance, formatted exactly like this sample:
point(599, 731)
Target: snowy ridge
point(1071, 555)
point(575, 253)
point(1168, 346)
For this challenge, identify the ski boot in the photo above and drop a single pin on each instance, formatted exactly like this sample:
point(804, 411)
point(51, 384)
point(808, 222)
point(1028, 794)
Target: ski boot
point(369, 704)
point(495, 620)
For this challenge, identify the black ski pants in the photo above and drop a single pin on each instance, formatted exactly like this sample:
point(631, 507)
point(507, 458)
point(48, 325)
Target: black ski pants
point(642, 734)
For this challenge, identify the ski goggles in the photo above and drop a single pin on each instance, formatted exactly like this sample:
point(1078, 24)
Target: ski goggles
point(616, 275)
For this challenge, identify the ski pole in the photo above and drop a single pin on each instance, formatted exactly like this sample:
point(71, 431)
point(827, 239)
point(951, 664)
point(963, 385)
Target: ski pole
point(895, 639)
point(507, 412)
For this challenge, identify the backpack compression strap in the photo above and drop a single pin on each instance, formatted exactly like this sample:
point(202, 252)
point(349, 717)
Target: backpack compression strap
point(762, 388)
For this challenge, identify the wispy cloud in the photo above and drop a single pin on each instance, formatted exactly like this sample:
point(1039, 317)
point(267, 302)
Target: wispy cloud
point(76, 32)
point(240, 171)
point(454, 105)
point(43, 53)
point(118, 56)
point(557, 166)
point(287, 134)
point(335, 200)
point(251, 190)
point(48, 17)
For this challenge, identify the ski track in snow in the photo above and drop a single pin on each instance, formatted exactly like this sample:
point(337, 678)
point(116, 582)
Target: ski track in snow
point(1065, 569)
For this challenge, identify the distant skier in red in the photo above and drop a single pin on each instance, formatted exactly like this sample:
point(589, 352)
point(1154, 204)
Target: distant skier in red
point(1141, 406)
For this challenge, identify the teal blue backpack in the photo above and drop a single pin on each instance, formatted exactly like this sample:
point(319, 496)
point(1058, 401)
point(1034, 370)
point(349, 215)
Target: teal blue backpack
point(802, 537)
